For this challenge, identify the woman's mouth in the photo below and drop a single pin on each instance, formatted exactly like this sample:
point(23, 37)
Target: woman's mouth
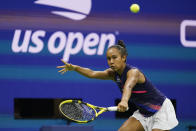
point(112, 67)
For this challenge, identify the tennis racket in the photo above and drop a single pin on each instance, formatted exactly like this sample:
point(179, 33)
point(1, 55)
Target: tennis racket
point(81, 112)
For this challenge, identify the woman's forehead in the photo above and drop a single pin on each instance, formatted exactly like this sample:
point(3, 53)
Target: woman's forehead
point(113, 51)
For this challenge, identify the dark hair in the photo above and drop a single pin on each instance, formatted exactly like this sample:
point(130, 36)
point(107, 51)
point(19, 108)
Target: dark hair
point(121, 47)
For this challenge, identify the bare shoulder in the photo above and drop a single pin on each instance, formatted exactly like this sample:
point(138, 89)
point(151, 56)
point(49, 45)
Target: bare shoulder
point(133, 71)
point(136, 73)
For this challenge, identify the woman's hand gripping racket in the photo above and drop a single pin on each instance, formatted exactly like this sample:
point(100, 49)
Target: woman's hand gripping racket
point(82, 112)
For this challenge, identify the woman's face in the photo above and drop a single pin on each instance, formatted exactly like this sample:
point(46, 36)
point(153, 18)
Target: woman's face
point(115, 60)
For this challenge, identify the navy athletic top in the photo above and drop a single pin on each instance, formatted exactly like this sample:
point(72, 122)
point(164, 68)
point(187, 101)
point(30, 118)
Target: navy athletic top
point(145, 96)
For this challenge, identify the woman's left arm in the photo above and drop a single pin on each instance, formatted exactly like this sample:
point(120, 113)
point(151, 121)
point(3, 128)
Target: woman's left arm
point(132, 79)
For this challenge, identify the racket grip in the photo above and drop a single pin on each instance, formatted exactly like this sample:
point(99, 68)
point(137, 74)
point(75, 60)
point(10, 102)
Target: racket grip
point(112, 108)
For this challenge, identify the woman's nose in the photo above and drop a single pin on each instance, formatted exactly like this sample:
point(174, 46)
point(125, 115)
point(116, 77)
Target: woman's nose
point(111, 61)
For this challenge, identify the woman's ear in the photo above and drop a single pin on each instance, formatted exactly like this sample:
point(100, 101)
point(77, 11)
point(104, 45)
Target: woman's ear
point(124, 58)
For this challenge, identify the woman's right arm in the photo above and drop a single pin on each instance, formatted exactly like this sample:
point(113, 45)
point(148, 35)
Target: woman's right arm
point(107, 74)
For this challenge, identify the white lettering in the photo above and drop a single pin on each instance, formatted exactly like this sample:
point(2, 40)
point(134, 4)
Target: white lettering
point(71, 38)
point(110, 38)
point(51, 42)
point(58, 42)
point(91, 40)
point(39, 44)
point(15, 43)
point(184, 24)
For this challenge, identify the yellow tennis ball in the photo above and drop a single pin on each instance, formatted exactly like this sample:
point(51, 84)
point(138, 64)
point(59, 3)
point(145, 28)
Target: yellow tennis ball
point(135, 8)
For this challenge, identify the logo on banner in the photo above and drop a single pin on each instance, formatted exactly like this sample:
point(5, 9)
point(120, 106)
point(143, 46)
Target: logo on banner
point(75, 9)
point(70, 43)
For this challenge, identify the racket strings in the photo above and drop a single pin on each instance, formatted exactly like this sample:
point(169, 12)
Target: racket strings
point(78, 111)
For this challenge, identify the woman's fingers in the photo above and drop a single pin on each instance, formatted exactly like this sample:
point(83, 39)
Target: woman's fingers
point(60, 66)
point(65, 67)
point(121, 109)
point(64, 62)
point(61, 70)
point(123, 106)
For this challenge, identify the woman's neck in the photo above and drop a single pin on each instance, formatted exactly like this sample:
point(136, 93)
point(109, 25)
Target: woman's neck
point(122, 69)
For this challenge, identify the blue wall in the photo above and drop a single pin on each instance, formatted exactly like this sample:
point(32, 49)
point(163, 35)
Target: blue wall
point(152, 37)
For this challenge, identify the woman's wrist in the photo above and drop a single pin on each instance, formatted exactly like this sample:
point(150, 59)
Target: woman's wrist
point(74, 67)
point(125, 100)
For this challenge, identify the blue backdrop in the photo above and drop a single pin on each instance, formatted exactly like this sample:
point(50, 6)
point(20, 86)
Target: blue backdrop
point(33, 40)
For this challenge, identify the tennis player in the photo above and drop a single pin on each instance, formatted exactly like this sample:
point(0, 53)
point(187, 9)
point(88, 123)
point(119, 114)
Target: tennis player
point(155, 111)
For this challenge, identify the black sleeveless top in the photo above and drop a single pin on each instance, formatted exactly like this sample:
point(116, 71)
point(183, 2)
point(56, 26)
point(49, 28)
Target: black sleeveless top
point(145, 96)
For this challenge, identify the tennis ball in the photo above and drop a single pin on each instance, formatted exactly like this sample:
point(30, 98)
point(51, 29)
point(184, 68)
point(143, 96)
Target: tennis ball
point(134, 8)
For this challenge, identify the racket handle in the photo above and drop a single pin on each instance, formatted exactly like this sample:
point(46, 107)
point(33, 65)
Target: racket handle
point(112, 108)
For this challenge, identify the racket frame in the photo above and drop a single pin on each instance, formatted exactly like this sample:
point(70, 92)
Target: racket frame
point(102, 109)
